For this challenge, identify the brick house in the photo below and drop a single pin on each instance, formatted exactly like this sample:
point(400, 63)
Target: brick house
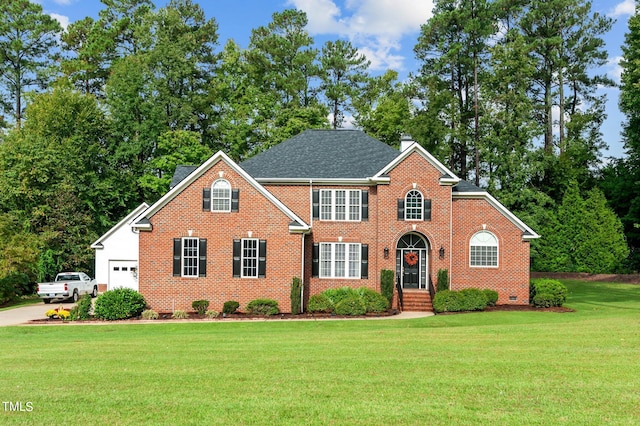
point(334, 208)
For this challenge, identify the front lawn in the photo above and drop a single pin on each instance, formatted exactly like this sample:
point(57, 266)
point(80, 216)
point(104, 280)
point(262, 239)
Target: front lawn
point(480, 368)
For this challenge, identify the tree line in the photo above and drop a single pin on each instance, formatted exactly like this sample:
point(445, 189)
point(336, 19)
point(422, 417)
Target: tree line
point(97, 117)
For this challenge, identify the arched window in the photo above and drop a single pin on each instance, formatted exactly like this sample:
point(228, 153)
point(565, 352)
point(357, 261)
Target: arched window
point(221, 196)
point(483, 249)
point(413, 206)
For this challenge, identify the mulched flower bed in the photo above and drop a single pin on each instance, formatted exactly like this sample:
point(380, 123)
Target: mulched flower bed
point(192, 316)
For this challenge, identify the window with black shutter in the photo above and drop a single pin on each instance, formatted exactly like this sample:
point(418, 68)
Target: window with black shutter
point(189, 257)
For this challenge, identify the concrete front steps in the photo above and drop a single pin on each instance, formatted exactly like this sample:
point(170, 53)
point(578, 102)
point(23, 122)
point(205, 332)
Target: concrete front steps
point(416, 301)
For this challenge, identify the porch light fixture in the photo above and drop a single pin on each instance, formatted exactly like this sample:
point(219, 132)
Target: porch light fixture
point(386, 252)
point(441, 251)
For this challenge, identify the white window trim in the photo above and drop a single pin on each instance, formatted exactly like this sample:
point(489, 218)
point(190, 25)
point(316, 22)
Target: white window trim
point(496, 245)
point(228, 198)
point(196, 257)
point(406, 206)
point(347, 205)
point(242, 257)
point(347, 260)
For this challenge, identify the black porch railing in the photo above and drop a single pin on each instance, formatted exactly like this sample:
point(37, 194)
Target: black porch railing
point(399, 288)
point(432, 290)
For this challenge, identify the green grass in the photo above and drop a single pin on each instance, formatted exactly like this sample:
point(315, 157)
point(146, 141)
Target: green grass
point(480, 368)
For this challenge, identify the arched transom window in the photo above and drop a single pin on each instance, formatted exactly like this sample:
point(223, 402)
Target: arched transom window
point(483, 249)
point(413, 206)
point(221, 196)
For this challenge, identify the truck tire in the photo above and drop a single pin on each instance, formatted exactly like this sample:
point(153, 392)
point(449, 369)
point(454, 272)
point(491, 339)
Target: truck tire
point(75, 297)
point(46, 301)
point(94, 293)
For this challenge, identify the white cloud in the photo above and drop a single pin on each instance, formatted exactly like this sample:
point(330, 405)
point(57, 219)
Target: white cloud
point(627, 7)
point(376, 27)
point(614, 70)
point(63, 20)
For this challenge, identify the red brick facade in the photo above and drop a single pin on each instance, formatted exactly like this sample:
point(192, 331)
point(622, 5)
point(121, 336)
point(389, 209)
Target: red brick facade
point(289, 250)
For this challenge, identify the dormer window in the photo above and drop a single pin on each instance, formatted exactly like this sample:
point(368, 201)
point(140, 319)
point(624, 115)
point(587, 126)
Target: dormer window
point(413, 207)
point(220, 196)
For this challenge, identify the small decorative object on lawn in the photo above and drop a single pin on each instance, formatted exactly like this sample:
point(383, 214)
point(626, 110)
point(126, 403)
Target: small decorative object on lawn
point(411, 258)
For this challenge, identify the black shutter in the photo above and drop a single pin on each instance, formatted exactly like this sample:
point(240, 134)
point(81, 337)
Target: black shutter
point(364, 261)
point(400, 208)
point(316, 204)
point(315, 260)
point(235, 200)
point(427, 209)
point(177, 257)
point(237, 248)
point(365, 205)
point(262, 259)
point(202, 260)
point(206, 199)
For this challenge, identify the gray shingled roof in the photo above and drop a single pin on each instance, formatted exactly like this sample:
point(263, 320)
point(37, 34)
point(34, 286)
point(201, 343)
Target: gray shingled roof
point(322, 154)
point(180, 173)
point(465, 186)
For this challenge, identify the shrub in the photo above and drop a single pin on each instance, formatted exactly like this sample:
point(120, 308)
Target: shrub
point(179, 314)
point(296, 295)
point(212, 314)
point(230, 307)
point(82, 309)
point(336, 295)
point(386, 284)
point(492, 296)
point(543, 300)
point(263, 307)
point(473, 299)
point(150, 314)
point(200, 306)
point(15, 285)
point(373, 301)
point(555, 288)
point(352, 305)
point(447, 301)
point(120, 303)
point(320, 303)
point(443, 280)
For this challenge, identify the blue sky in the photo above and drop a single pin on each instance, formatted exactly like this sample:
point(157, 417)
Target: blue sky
point(384, 30)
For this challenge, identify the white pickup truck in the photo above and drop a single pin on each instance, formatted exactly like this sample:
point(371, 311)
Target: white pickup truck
point(68, 285)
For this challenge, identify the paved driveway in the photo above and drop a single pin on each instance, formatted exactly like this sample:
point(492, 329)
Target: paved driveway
point(23, 314)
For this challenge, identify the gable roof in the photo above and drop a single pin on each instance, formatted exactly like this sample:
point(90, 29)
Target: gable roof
point(143, 223)
point(128, 220)
point(321, 155)
point(447, 176)
point(466, 189)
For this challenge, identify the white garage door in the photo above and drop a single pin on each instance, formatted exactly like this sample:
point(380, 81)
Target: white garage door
point(123, 273)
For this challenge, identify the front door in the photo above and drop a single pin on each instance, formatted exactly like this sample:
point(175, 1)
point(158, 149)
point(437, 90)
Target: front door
point(412, 261)
point(410, 268)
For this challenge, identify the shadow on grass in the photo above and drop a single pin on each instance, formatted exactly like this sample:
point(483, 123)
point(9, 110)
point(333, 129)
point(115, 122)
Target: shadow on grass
point(603, 295)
